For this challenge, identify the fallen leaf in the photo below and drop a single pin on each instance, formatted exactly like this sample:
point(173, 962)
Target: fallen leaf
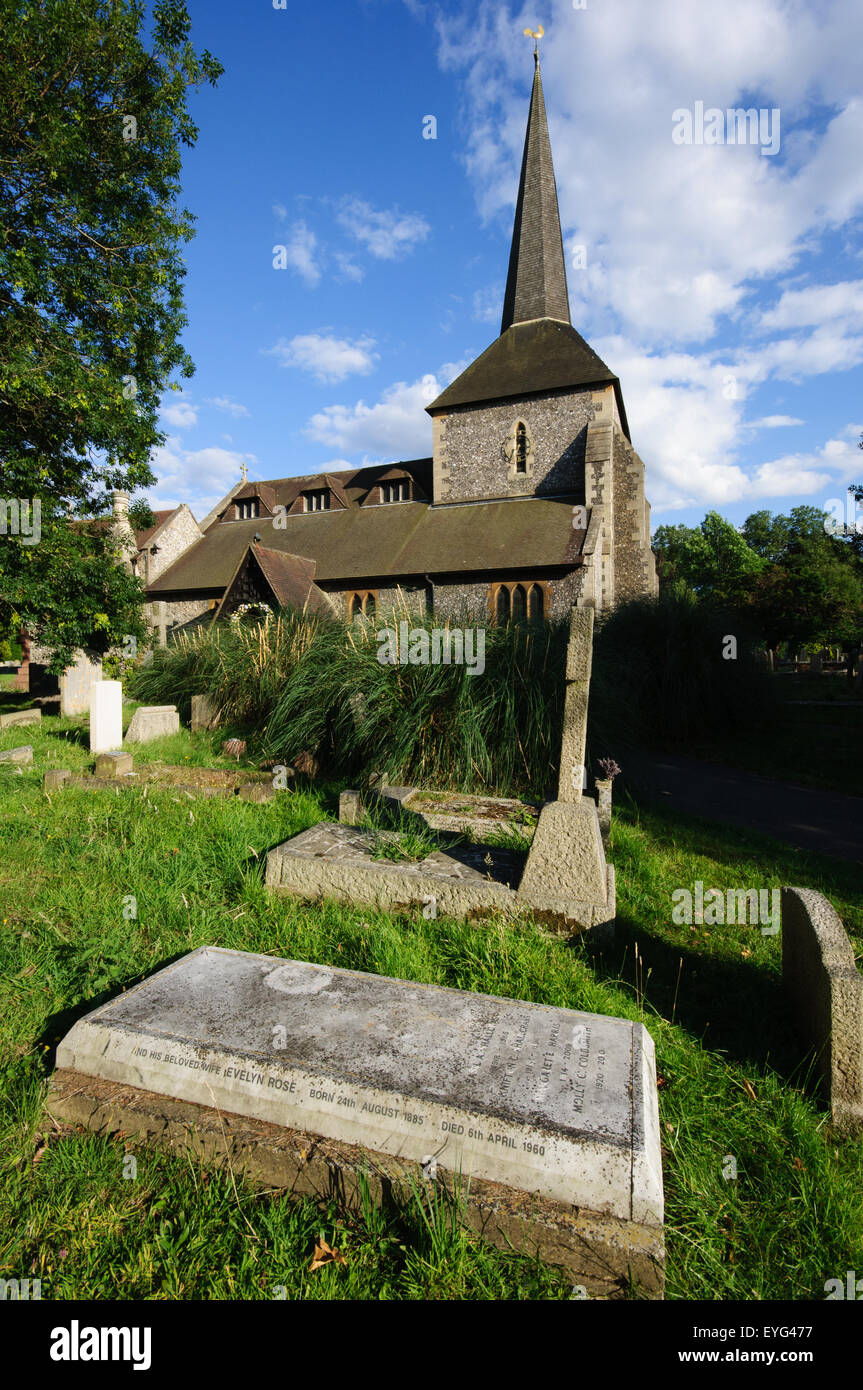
point(798, 1164)
point(749, 1089)
point(325, 1255)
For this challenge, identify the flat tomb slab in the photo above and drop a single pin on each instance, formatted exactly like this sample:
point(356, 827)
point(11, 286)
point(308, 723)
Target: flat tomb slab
point(548, 1101)
point(335, 861)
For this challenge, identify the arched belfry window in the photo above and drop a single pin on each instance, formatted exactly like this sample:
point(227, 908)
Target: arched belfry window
point(517, 450)
point(521, 447)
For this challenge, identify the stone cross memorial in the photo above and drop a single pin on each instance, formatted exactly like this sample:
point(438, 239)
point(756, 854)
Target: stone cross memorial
point(557, 1106)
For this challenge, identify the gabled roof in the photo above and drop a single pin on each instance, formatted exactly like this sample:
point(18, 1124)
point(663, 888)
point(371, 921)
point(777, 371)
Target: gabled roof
point(290, 579)
point(143, 538)
point(530, 358)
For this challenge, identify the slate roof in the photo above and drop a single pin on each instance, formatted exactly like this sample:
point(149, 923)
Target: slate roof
point(536, 280)
point(530, 357)
point(400, 540)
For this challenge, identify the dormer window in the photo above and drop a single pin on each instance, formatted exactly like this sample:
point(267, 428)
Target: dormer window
point(398, 491)
point(248, 509)
point(318, 501)
point(520, 448)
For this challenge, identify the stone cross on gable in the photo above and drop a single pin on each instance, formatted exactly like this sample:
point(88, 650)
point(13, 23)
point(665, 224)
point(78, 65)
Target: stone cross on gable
point(245, 471)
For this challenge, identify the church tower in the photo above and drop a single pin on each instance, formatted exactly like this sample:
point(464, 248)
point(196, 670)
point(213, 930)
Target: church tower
point(539, 414)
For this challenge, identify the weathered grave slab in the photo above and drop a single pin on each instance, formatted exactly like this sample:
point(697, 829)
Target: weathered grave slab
point(335, 861)
point(463, 812)
point(825, 990)
point(19, 757)
point(350, 807)
point(106, 716)
point(20, 716)
point(56, 778)
point(543, 1102)
point(150, 722)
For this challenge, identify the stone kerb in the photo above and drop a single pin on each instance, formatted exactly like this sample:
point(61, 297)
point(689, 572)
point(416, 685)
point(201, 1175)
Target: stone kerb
point(825, 991)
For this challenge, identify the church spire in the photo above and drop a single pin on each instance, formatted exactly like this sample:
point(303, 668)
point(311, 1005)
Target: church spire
point(536, 282)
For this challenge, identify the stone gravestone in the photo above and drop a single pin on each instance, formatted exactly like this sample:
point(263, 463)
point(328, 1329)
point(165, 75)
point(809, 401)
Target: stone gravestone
point(825, 991)
point(204, 714)
point(551, 1114)
point(153, 721)
point(106, 717)
point(75, 684)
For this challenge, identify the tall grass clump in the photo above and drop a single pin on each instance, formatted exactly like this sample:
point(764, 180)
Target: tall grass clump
point(438, 725)
point(298, 684)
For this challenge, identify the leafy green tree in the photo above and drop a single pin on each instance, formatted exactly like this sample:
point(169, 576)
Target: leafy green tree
point(713, 559)
point(92, 121)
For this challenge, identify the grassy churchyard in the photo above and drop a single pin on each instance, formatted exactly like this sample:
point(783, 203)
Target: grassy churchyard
point(100, 888)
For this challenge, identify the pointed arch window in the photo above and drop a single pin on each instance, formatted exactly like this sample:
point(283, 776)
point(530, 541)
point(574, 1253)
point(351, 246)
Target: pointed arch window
point(519, 601)
point(361, 603)
point(521, 447)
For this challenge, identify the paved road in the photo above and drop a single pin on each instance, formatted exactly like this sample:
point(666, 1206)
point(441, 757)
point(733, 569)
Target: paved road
point(827, 822)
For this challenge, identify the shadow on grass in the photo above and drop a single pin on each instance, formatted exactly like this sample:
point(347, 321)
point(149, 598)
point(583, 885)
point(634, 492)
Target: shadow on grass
point(734, 1007)
point(57, 1025)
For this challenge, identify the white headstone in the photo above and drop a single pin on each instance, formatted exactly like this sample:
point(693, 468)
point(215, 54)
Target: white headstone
point(106, 717)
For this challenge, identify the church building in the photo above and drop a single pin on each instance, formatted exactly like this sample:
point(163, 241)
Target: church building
point(533, 499)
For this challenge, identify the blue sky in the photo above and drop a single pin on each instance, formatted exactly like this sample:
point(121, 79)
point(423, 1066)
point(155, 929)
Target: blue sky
point(723, 285)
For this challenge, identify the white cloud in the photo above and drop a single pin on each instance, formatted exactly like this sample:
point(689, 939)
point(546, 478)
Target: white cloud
point(677, 237)
point(488, 304)
point(177, 410)
point(302, 254)
point(326, 357)
point(811, 307)
point(199, 477)
point(396, 427)
point(774, 422)
point(386, 233)
point(225, 403)
point(348, 269)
